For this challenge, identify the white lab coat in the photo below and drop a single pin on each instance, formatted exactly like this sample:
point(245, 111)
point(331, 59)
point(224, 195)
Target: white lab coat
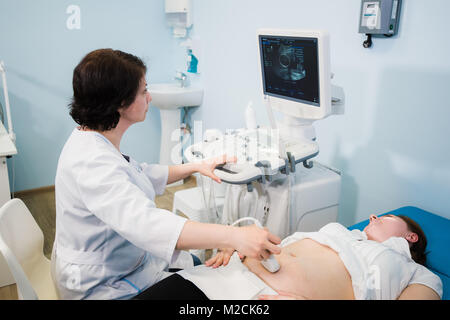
point(111, 241)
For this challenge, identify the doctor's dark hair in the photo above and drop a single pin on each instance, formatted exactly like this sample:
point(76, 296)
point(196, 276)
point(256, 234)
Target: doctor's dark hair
point(417, 249)
point(104, 81)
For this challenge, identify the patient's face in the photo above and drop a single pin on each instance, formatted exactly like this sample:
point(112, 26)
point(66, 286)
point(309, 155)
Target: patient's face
point(382, 228)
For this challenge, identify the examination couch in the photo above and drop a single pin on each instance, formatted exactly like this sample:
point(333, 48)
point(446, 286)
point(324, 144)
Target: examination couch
point(437, 231)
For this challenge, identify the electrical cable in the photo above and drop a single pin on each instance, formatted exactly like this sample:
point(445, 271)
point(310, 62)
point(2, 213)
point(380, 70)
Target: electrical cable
point(258, 195)
point(13, 177)
point(2, 115)
point(266, 206)
point(212, 194)
point(236, 210)
point(245, 219)
point(271, 264)
point(211, 199)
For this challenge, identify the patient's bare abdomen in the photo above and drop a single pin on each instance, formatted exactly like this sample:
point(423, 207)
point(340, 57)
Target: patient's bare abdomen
point(308, 269)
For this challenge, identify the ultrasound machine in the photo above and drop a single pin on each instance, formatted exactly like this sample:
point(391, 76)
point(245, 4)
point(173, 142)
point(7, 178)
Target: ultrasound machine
point(296, 83)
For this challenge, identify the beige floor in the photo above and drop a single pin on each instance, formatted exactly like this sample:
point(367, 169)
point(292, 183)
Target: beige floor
point(41, 203)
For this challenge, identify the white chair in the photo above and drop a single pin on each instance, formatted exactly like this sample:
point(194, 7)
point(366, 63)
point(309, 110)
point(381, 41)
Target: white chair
point(22, 243)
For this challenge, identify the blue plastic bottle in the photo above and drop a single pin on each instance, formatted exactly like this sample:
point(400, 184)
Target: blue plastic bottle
point(192, 63)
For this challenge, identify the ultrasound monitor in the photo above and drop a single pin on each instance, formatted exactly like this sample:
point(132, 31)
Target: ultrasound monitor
point(295, 69)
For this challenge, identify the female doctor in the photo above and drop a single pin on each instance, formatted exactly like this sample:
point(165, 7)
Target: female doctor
point(111, 241)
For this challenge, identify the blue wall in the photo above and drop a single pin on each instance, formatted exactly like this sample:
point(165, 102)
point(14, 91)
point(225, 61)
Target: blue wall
point(40, 53)
point(391, 144)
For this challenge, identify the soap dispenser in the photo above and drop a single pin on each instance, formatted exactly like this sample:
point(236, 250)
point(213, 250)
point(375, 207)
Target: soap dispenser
point(192, 62)
point(192, 54)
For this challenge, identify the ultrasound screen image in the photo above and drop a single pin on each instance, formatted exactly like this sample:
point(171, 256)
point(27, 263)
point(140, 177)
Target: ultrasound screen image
point(290, 68)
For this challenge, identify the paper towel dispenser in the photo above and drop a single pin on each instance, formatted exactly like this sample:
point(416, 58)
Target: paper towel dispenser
point(178, 14)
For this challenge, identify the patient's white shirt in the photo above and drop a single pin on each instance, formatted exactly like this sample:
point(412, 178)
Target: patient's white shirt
point(378, 270)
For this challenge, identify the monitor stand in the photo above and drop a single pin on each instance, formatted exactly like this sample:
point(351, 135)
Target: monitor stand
point(295, 128)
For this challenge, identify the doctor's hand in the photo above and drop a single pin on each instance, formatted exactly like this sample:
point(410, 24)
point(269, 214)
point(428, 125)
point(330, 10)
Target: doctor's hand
point(254, 242)
point(207, 166)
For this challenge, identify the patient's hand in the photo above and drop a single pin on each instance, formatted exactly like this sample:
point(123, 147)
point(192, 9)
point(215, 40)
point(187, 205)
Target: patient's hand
point(282, 295)
point(221, 258)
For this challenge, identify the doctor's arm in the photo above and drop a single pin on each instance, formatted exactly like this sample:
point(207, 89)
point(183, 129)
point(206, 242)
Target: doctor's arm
point(249, 240)
point(418, 292)
point(181, 171)
point(206, 168)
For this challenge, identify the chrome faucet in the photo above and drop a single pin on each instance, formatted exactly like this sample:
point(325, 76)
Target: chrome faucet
point(180, 76)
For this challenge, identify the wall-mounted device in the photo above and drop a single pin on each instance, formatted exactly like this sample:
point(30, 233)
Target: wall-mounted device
point(379, 18)
point(178, 14)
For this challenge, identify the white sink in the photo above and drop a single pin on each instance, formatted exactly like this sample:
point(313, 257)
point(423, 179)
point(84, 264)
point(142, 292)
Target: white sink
point(172, 96)
point(169, 98)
